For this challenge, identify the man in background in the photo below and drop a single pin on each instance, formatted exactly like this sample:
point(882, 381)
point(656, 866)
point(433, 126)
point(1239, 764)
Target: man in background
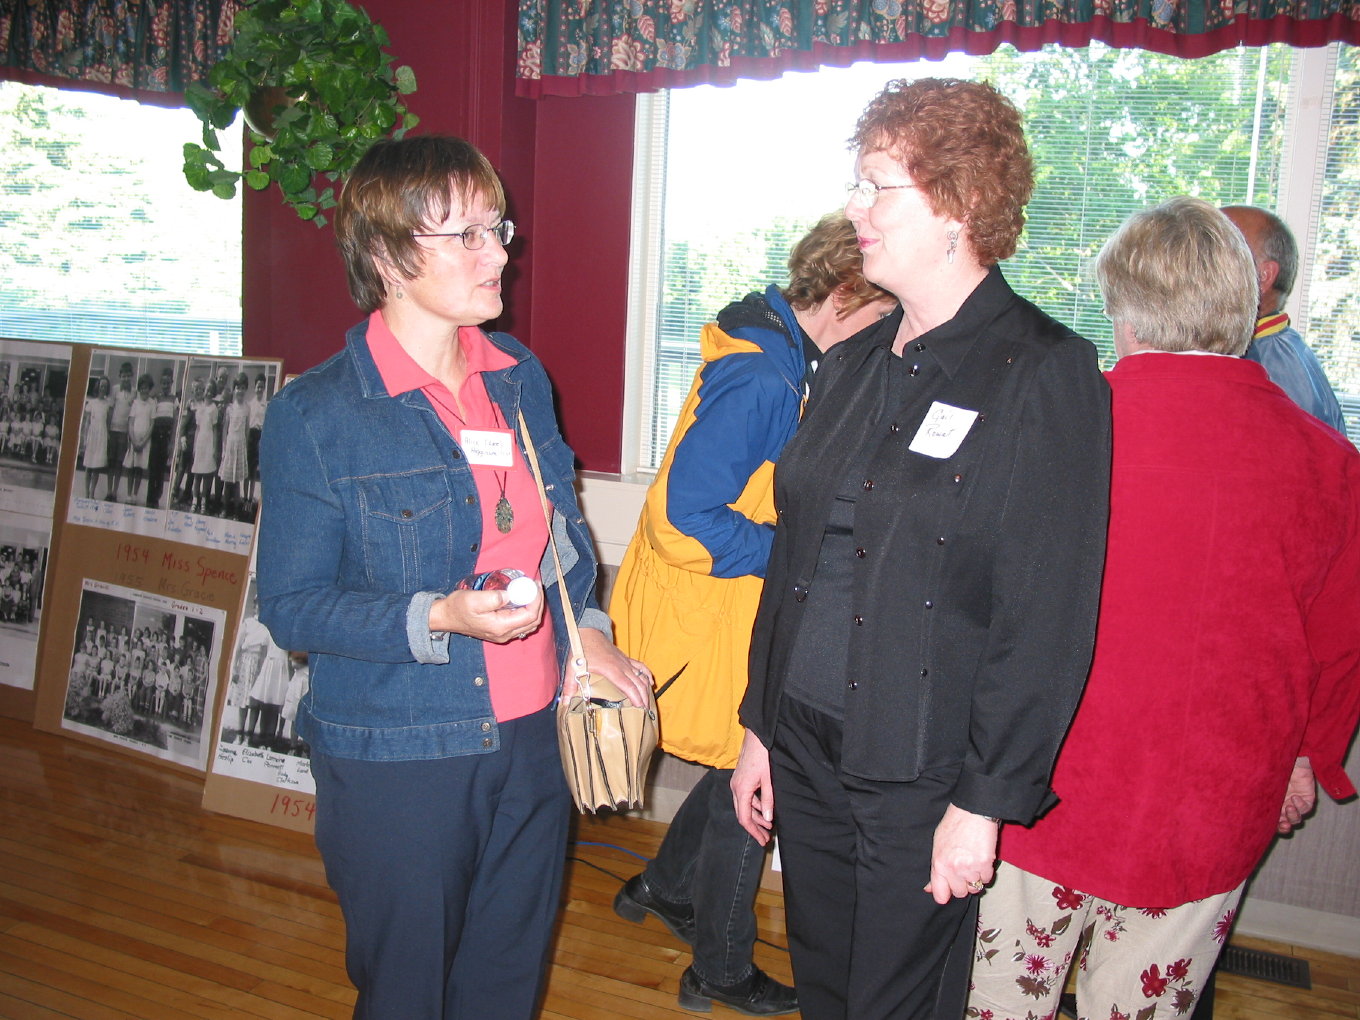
point(1276, 345)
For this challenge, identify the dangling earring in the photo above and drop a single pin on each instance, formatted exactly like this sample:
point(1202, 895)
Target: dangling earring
point(953, 237)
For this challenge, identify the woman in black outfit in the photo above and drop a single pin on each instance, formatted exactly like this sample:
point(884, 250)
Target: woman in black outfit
point(929, 610)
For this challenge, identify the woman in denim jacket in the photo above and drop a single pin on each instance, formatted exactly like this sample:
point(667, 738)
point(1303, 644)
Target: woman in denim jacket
point(390, 472)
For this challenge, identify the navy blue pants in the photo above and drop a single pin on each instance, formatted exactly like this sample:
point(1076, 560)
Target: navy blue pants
point(449, 874)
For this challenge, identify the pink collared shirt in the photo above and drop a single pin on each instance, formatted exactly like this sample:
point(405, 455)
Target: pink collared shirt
point(522, 674)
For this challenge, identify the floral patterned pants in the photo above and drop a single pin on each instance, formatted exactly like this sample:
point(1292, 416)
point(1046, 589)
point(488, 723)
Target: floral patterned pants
point(1134, 963)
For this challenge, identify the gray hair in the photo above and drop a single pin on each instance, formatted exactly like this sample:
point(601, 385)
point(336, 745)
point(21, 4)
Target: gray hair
point(1181, 275)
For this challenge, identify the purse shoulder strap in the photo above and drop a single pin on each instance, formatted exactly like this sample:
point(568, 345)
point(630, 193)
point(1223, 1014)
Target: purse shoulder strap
point(578, 658)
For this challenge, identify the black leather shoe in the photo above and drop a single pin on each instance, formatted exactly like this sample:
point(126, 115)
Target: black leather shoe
point(758, 995)
point(636, 900)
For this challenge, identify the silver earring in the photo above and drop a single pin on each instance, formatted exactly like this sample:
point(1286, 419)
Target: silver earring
point(402, 294)
point(953, 237)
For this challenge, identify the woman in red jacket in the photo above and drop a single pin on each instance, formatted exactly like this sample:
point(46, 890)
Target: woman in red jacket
point(1227, 658)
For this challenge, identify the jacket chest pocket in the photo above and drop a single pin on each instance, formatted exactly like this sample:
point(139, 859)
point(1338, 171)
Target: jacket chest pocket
point(407, 523)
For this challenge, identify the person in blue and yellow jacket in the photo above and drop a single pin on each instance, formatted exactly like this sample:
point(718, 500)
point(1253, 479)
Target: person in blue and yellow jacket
point(687, 592)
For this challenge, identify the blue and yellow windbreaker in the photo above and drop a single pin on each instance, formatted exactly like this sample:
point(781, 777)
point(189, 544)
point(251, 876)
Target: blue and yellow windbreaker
point(687, 590)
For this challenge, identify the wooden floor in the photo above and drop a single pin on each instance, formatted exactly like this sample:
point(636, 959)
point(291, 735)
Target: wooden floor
point(121, 898)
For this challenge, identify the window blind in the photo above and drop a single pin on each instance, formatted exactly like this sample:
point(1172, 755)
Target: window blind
point(101, 239)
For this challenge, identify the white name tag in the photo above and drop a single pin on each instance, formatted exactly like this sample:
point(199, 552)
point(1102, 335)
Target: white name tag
point(488, 447)
point(942, 431)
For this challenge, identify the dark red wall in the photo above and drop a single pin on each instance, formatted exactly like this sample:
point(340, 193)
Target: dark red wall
point(567, 168)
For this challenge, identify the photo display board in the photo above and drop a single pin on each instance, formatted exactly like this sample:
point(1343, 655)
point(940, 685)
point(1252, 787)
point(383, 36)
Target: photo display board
point(157, 494)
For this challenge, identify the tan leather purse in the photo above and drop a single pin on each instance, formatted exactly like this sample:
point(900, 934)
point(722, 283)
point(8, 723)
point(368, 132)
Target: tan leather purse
point(606, 741)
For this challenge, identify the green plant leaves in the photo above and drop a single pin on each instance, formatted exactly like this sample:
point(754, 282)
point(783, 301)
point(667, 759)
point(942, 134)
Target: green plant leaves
point(328, 56)
point(320, 157)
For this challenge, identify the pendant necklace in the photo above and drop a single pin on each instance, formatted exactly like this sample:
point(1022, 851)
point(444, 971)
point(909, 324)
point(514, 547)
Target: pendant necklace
point(504, 514)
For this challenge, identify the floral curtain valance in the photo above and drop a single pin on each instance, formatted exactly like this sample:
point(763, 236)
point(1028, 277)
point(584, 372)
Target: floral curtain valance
point(575, 47)
point(151, 45)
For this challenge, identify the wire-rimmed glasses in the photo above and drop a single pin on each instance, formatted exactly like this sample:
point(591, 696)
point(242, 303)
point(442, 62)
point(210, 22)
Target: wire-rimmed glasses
point(474, 237)
point(867, 191)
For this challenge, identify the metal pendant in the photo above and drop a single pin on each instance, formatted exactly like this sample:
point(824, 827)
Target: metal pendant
point(505, 516)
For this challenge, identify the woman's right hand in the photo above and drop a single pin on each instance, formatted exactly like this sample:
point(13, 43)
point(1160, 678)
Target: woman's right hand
point(486, 615)
point(752, 791)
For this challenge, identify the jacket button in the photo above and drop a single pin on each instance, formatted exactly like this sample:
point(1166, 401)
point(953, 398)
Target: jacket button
point(471, 501)
point(486, 741)
point(406, 515)
point(940, 540)
point(982, 416)
point(957, 479)
point(486, 727)
point(894, 428)
point(1010, 361)
point(479, 681)
point(859, 621)
point(860, 554)
point(914, 370)
point(474, 547)
point(930, 604)
point(925, 672)
point(868, 484)
point(457, 453)
point(549, 486)
point(799, 593)
point(920, 347)
point(852, 684)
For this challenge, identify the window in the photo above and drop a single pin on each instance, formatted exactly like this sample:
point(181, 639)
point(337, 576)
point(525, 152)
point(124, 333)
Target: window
point(101, 239)
point(729, 178)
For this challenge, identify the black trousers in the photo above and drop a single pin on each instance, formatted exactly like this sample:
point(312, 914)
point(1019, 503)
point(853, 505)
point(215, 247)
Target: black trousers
point(710, 862)
point(867, 942)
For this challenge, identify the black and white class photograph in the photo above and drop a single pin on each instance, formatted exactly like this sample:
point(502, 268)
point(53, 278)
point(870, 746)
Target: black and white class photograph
point(23, 571)
point(142, 672)
point(258, 738)
point(217, 444)
point(127, 428)
point(33, 378)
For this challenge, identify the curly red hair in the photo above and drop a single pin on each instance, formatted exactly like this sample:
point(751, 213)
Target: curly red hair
point(964, 145)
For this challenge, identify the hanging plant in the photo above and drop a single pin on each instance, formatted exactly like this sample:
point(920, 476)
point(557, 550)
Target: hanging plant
point(318, 90)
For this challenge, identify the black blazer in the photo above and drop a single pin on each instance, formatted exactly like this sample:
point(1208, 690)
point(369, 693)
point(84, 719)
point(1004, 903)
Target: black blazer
point(977, 574)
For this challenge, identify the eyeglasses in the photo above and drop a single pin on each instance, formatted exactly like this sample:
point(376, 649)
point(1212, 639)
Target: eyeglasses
point(474, 237)
point(867, 191)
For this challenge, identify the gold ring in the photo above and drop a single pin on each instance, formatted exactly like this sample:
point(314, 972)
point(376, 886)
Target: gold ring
point(975, 886)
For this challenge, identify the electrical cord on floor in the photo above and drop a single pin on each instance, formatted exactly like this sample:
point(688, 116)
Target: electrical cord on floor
point(614, 846)
point(644, 858)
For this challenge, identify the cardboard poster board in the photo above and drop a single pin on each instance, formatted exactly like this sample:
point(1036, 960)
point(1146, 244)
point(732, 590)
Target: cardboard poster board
point(142, 593)
point(260, 768)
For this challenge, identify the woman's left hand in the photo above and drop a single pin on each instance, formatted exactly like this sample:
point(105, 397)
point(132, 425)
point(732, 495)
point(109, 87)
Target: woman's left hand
point(963, 858)
point(630, 676)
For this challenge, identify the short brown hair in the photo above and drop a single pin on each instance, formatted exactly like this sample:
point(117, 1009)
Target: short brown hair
point(1182, 276)
point(398, 188)
point(827, 260)
point(964, 146)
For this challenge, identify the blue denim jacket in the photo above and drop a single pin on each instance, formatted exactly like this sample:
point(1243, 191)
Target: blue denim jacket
point(369, 515)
